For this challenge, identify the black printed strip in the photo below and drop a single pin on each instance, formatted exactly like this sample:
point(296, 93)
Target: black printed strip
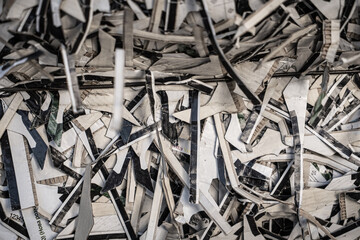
point(59, 160)
point(250, 123)
point(259, 215)
point(118, 204)
point(119, 144)
point(347, 110)
point(88, 13)
point(271, 235)
point(297, 151)
point(168, 129)
point(356, 177)
point(150, 92)
point(251, 177)
point(10, 172)
point(298, 168)
point(209, 230)
point(163, 215)
point(332, 100)
point(150, 89)
point(17, 228)
point(255, 182)
point(335, 143)
point(171, 16)
point(314, 120)
point(254, 230)
point(278, 105)
point(92, 144)
point(41, 19)
point(40, 149)
point(9, 167)
point(64, 190)
point(335, 210)
point(329, 104)
point(4, 194)
point(343, 230)
point(27, 21)
point(142, 176)
point(254, 209)
point(33, 103)
point(195, 139)
point(246, 171)
point(208, 90)
point(74, 197)
point(133, 137)
point(115, 179)
point(283, 182)
point(68, 119)
point(100, 236)
point(221, 166)
point(125, 130)
point(324, 222)
point(225, 62)
point(334, 103)
point(239, 232)
point(135, 102)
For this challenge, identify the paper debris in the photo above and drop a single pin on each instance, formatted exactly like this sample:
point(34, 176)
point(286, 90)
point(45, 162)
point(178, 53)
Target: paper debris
point(159, 119)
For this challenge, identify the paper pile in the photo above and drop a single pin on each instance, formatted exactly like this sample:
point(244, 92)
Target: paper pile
point(154, 119)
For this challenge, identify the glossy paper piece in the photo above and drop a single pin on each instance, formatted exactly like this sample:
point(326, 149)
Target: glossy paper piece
point(116, 121)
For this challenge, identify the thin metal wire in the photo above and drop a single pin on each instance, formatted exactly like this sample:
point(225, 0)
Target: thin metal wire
point(57, 87)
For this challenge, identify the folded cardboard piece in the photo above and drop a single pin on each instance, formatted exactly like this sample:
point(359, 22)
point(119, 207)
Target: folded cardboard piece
point(159, 119)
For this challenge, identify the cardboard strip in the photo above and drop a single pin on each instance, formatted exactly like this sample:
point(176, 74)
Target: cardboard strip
point(128, 36)
point(85, 218)
point(194, 151)
point(71, 79)
point(116, 121)
point(24, 180)
point(10, 112)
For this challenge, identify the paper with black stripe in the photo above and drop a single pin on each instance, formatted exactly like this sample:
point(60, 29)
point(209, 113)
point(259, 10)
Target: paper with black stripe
point(194, 151)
